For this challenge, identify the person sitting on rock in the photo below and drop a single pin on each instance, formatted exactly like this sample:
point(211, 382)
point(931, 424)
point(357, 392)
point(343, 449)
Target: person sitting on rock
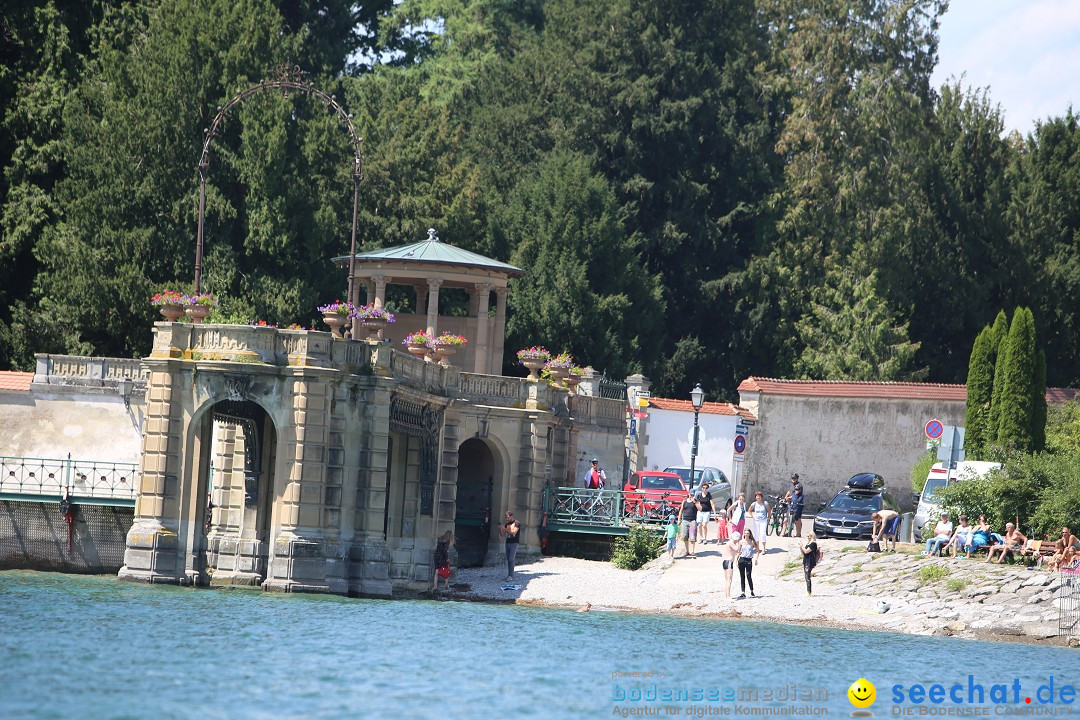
point(1012, 541)
point(1066, 550)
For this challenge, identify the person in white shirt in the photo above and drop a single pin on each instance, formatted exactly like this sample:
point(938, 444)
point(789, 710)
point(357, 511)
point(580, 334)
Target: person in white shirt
point(942, 535)
point(760, 511)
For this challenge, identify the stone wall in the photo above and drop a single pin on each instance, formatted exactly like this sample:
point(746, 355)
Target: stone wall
point(33, 536)
point(828, 439)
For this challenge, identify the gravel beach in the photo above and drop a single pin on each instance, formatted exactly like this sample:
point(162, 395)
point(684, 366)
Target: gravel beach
point(852, 589)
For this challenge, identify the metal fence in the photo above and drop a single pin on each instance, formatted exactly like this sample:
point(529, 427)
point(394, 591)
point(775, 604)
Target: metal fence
point(1068, 601)
point(616, 510)
point(613, 389)
point(82, 480)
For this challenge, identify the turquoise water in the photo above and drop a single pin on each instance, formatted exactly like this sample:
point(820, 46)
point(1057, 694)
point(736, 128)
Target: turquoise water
point(94, 647)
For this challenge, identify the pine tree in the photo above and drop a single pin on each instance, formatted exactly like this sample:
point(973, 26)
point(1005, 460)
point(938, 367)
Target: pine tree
point(1018, 365)
point(980, 390)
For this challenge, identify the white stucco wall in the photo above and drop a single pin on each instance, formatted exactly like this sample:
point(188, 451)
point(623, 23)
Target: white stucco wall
point(669, 437)
point(90, 427)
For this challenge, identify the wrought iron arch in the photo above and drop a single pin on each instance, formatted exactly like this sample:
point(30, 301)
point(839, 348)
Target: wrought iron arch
point(285, 79)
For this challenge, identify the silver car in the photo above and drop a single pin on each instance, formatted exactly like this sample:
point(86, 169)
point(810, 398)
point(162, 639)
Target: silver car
point(719, 486)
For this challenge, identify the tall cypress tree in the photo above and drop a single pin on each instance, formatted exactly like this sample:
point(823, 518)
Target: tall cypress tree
point(999, 332)
point(1017, 366)
point(980, 390)
point(1038, 403)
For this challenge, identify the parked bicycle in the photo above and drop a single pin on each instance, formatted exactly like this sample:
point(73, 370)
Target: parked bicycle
point(781, 518)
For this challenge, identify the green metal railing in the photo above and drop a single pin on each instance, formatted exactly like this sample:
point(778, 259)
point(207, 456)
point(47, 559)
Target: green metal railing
point(87, 482)
point(599, 511)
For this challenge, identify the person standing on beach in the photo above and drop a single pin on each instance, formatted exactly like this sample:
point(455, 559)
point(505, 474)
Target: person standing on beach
point(747, 548)
point(442, 559)
point(761, 512)
point(671, 531)
point(738, 514)
point(796, 504)
point(809, 559)
point(705, 510)
point(510, 530)
point(688, 525)
point(730, 552)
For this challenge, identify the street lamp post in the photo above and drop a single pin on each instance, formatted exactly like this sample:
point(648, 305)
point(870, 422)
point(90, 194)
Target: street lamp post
point(697, 398)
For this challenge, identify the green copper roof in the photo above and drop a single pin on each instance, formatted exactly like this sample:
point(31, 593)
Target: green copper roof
point(437, 252)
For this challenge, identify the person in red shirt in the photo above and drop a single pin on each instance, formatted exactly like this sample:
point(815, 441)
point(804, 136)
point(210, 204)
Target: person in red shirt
point(595, 479)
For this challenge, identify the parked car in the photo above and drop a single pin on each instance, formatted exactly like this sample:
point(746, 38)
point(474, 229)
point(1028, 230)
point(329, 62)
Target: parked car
point(847, 515)
point(719, 486)
point(927, 508)
point(653, 494)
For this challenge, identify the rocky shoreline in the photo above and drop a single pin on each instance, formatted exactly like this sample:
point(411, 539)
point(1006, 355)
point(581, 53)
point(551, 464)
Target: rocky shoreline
point(890, 592)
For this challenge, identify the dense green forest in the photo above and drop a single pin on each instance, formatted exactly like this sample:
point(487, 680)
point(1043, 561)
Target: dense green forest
point(701, 191)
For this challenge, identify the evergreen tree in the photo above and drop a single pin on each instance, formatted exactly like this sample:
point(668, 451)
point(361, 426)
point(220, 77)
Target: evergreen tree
point(1038, 403)
point(980, 389)
point(1018, 367)
point(999, 333)
point(850, 334)
point(563, 220)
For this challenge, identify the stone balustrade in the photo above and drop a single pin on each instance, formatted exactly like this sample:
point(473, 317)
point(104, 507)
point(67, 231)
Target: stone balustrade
point(87, 374)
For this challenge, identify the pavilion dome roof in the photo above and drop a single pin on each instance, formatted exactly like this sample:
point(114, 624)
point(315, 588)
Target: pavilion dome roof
point(433, 251)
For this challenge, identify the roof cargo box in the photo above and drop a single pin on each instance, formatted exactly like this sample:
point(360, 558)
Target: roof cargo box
point(866, 481)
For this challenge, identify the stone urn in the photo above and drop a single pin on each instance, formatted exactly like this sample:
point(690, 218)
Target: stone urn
point(373, 326)
point(172, 312)
point(198, 313)
point(532, 365)
point(572, 381)
point(418, 349)
point(336, 321)
point(444, 353)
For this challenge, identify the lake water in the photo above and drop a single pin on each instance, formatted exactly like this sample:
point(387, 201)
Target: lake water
point(95, 647)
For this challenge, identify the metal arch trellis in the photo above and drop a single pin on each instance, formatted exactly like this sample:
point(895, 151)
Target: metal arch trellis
point(284, 78)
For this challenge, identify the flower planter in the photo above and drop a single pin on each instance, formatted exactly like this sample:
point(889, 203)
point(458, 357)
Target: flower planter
point(198, 313)
point(532, 365)
point(172, 312)
point(444, 354)
point(336, 321)
point(572, 381)
point(418, 349)
point(373, 326)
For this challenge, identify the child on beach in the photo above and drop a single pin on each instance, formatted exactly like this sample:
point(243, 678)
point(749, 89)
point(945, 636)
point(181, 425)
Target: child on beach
point(672, 530)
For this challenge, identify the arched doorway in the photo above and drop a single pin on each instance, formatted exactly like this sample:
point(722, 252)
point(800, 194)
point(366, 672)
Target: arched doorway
point(472, 523)
point(238, 444)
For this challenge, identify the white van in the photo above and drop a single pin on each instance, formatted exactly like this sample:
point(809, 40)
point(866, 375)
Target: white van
point(939, 477)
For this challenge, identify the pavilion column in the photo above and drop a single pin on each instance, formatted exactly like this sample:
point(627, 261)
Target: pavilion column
point(483, 351)
point(433, 305)
point(500, 318)
point(380, 288)
point(421, 299)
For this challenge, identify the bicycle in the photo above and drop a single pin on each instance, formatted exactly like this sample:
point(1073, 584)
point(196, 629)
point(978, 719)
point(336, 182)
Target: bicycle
point(661, 510)
point(781, 522)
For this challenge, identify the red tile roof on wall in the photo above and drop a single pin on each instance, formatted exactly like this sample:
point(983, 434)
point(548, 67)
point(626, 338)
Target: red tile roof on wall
point(19, 381)
point(709, 408)
point(889, 390)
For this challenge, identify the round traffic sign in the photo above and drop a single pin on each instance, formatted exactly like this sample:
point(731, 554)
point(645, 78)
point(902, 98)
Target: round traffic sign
point(934, 429)
point(740, 443)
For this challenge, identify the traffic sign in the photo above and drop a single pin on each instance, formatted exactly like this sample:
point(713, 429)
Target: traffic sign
point(934, 429)
point(633, 427)
point(741, 430)
point(640, 414)
point(738, 458)
point(740, 444)
point(644, 394)
point(643, 402)
point(747, 421)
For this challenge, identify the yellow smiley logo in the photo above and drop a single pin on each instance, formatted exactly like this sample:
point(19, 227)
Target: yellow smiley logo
point(862, 693)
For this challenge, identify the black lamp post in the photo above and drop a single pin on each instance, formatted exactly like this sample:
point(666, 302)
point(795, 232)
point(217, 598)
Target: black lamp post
point(697, 397)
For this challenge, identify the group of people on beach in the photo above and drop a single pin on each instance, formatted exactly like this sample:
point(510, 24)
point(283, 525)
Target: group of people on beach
point(970, 538)
point(741, 546)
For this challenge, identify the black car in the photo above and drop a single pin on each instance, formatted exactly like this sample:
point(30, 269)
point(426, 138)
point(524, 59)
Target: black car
point(847, 515)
